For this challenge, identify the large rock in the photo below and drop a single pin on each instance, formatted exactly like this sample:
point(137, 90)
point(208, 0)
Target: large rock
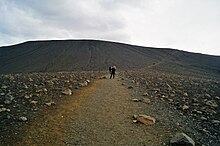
point(145, 119)
point(67, 92)
point(181, 139)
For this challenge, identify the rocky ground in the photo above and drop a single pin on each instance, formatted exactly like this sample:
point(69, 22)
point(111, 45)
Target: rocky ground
point(24, 96)
point(190, 102)
point(196, 98)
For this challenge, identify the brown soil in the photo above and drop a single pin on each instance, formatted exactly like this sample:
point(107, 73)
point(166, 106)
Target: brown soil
point(102, 113)
point(98, 115)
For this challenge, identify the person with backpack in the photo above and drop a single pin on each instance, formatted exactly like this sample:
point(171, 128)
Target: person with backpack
point(113, 70)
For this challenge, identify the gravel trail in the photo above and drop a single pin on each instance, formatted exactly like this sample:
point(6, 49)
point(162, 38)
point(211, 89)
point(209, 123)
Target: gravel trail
point(100, 114)
point(106, 119)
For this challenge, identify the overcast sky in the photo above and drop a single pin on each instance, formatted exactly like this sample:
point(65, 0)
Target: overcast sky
point(191, 25)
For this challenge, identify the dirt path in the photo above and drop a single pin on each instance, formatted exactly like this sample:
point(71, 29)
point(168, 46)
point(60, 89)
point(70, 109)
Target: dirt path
point(106, 118)
point(100, 115)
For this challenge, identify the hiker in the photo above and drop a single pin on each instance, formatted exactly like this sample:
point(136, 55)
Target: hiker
point(113, 69)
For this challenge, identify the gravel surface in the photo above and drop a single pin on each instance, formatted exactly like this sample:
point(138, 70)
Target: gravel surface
point(102, 112)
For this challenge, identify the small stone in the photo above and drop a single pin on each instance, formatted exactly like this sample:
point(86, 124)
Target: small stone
point(185, 94)
point(185, 107)
point(4, 110)
point(181, 139)
point(25, 86)
point(2, 94)
point(136, 100)
point(146, 100)
point(211, 103)
point(88, 81)
point(215, 121)
point(194, 100)
point(145, 119)
point(216, 97)
point(170, 100)
point(50, 103)
point(169, 87)
point(207, 95)
point(83, 84)
point(145, 94)
point(23, 119)
point(203, 118)
point(67, 92)
point(4, 87)
point(33, 102)
point(130, 87)
point(30, 80)
point(27, 97)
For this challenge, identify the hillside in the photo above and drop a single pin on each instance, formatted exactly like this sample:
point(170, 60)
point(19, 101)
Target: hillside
point(73, 55)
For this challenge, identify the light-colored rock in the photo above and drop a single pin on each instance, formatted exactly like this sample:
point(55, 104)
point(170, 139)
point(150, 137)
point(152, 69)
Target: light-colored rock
point(27, 96)
point(145, 119)
point(136, 100)
point(23, 119)
point(2, 94)
point(181, 139)
point(185, 94)
point(169, 87)
point(67, 92)
point(215, 121)
point(9, 99)
point(211, 103)
point(50, 103)
point(4, 110)
point(207, 95)
point(88, 81)
point(146, 100)
point(4, 87)
point(45, 89)
point(185, 107)
point(30, 80)
point(84, 84)
point(145, 94)
point(33, 102)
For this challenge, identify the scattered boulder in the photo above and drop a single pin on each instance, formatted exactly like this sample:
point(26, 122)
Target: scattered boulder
point(23, 119)
point(67, 92)
point(4, 110)
point(146, 100)
point(130, 87)
point(50, 103)
point(33, 102)
point(27, 96)
point(185, 107)
point(215, 121)
point(145, 119)
point(4, 87)
point(8, 99)
point(136, 100)
point(181, 139)
point(211, 103)
point(145, 94)
point(185, 94)
point(84, 84)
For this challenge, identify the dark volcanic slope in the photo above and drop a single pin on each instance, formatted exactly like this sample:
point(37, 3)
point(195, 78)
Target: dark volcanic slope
point(68, 55)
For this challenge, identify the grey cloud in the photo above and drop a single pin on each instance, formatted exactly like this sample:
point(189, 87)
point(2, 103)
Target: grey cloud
point(57, 18)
